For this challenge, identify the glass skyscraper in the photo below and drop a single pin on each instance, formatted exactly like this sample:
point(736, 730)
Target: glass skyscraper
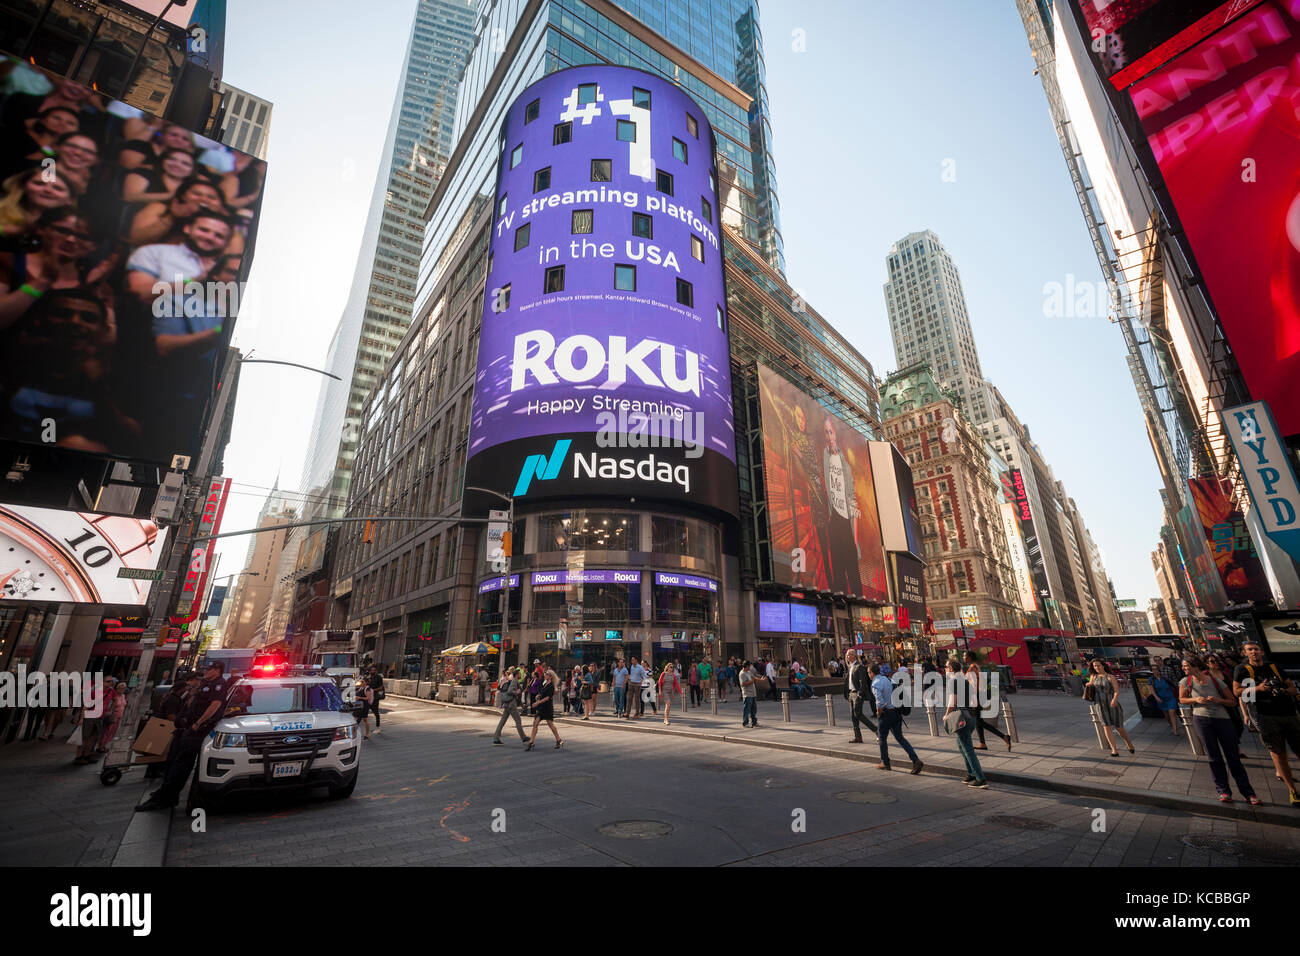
point(379, 307)
point(517, 42)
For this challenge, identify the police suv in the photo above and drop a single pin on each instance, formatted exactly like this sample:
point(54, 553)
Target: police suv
point(290, 730)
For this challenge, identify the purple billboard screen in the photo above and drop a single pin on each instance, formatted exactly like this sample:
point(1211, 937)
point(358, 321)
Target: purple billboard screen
point(773, 617)
point(603, 362)
point(803, 619)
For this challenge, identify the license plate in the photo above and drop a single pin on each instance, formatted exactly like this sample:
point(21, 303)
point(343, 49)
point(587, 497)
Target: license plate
point(290, 769)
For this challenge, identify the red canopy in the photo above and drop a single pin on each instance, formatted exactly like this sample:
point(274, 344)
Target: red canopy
point(991, 642)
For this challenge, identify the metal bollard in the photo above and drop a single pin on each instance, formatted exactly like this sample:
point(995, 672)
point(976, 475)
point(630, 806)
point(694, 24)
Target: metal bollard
point(785, 706)
point(714, 698)
point(830, 711)
point(1185, 714)
point(932, 718)
point(1009, 715)
point(1096, 726)
point(685, 698)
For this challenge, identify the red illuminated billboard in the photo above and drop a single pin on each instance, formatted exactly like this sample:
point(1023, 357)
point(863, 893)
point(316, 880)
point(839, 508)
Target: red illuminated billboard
point(821, 498)
point(1223, 121)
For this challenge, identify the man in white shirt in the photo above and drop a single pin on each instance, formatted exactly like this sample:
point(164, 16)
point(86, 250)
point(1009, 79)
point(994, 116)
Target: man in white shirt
point(748, 695)
point(770, 673)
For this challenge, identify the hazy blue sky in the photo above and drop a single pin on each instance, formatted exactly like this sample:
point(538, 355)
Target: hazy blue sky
point(864, 119)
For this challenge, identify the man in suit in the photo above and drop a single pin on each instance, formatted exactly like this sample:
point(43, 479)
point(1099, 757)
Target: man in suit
point(857, 690)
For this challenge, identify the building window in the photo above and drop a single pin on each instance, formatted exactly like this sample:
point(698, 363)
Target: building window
point(722, 320)
point(521, 236)
point(679, 149)
point(602, 170)
point(583, 222)
point(640, 98)
point(685, 293)
point(625, 278)
point(642, 226)
point(501, 206)
point(502, 300)
point(697, 248)
point(664, 182)
point(542, 179)
point(586, 93)
point(554, 280)
point(563, 133)
point(706, 208)
point(692, 126)
point(517, 156)
point(532, 111)
point(626, 131)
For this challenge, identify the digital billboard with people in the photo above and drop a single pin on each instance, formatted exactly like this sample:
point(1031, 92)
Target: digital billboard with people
point(821, 497)
point(124, 241)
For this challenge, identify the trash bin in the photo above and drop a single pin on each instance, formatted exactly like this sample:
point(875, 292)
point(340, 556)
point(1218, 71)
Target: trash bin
point(1146, 697)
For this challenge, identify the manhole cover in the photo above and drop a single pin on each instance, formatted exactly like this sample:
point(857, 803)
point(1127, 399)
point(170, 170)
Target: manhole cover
point(865, 796)
point(561, 781)
point(1019, 823)
point(721, 767)
point(779, 783)
point(1089, 772)
point(636, 829)
point(1243, 849)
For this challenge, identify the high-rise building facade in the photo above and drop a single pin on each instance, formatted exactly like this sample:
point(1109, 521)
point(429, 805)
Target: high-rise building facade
point(416, 586)
point(245, 121)
point(1199, 315)
point(929, 321)
point(969, 575)
point(379, 306)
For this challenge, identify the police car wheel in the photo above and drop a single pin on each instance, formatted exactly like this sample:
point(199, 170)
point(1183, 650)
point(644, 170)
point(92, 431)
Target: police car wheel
point(340, 793)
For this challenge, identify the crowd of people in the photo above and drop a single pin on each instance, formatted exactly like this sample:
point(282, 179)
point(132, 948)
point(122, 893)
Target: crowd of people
point(105, 211)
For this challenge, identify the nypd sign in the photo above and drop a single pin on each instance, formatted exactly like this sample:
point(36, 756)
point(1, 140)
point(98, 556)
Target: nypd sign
point(1266, 466)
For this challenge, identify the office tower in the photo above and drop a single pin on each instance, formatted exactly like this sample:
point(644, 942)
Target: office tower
point(411, 588)
point(970, 575)
point(378, 309)
point(929, 321)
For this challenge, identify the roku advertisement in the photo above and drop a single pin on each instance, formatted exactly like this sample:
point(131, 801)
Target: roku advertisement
point(603, 365)
point(1223, 121)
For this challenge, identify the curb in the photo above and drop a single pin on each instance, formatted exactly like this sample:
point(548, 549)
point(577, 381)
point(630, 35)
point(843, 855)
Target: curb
point(146, 837)
point(1205, 806)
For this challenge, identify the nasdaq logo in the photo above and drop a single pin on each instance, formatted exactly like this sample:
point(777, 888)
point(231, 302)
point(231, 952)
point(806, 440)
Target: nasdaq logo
point(541, 467)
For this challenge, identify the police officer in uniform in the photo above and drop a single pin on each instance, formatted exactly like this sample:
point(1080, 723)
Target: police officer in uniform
point(202, 710)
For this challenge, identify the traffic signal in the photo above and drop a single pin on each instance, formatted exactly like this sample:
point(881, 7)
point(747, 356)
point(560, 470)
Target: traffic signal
point(505, 543)
point(368, 536)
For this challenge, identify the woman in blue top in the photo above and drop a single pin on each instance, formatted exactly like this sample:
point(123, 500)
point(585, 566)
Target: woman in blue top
point(1166, 696)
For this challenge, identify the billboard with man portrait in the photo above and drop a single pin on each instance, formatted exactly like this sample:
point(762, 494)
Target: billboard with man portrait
point(124, 243)
point(821, 498)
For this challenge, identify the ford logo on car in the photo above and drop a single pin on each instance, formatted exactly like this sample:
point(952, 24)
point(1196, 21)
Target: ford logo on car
point(295, 739)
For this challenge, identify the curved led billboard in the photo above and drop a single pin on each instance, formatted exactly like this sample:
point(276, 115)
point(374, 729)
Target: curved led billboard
point(603, 362)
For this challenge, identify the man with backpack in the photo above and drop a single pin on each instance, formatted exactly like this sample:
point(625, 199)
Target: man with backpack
point(1270, 697)
point(891, 721)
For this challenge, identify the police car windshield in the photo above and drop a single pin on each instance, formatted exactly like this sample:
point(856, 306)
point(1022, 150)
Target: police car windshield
point(273, 697)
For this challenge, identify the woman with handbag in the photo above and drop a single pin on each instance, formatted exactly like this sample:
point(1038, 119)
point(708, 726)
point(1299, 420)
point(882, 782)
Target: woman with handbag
point(959, 720)
point(668, 686)
point(587, 691)
point(973, 675)
point(544, 708)
point(1219, 669)
point(377, 685)
point(1102, 692)
point(1212, 704)
point(366, 695)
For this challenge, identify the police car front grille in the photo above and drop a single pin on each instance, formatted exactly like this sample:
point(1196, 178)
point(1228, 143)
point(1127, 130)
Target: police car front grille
point(305, 740)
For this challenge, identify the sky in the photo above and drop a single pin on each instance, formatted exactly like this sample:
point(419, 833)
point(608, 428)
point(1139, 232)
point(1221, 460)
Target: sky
point(887, 119)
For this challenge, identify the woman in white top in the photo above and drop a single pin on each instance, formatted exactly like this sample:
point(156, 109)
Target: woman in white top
point(1211, 700)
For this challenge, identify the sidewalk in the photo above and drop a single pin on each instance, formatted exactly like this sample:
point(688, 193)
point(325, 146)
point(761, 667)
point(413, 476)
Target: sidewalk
point(1057, 750)
point(58, 813)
